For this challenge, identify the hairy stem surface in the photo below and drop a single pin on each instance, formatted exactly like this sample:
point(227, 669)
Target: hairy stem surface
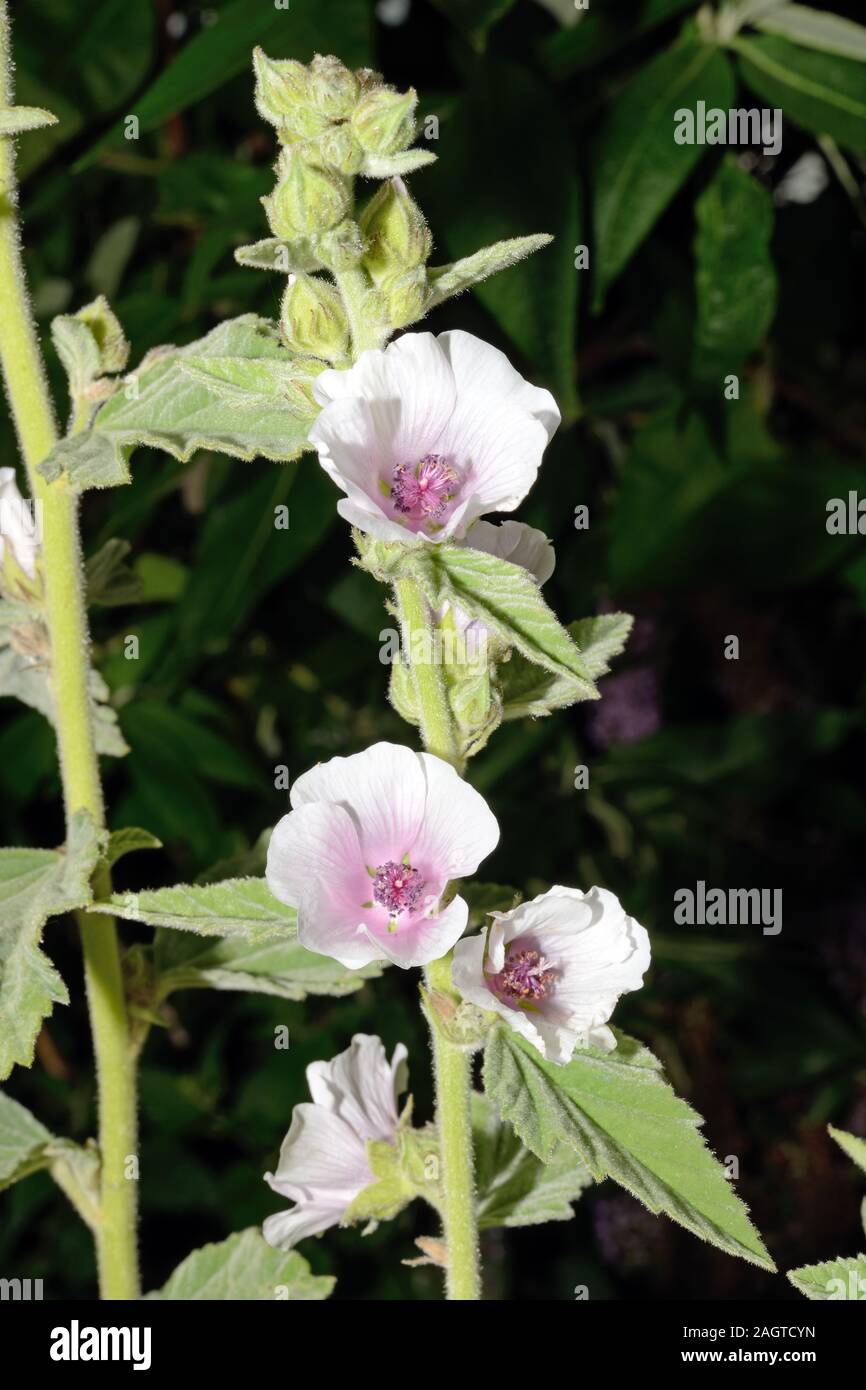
point(66, 616)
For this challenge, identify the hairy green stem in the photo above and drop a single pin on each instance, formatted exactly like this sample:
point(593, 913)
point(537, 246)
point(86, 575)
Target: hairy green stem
point(453, 1075)
point(66, 617)
point(452, 1066)
point(428, 678)
point(354, 288)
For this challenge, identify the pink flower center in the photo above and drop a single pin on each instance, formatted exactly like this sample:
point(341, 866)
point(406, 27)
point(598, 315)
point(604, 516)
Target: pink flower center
point(525, 977)
point(422, 491)
point(397, 887)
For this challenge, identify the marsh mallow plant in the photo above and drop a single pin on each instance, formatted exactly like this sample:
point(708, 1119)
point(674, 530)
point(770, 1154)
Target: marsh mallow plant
point(431, 442)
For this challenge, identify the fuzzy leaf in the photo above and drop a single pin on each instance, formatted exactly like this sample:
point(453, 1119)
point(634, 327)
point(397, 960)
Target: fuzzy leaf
point(242, 907)
point(244, 1268)
point(639, 166)
point(26, 1147)
point(828, 33)
point(820, 91)
point(850, 1144)
point(283, 968)
point(514, 1187)
point(22, 1142)
point(617, 1111)
point(14, 120)
point(127, 840)
point(167, 408)
point(389, 166)
point(448, 280)
point(272, 253)
point(528, 690)
point(735, 282)
point(835, 1281)
point(506, 599)
point(259, 384)
point(36, 884)
point(110, 581)
point(78, 350)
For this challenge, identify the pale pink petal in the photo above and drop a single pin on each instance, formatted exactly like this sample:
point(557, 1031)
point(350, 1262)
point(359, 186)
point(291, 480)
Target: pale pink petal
point(423, 939)
point(317, 845)
point(383, 789)
point(459, 829)
point(359, 1086)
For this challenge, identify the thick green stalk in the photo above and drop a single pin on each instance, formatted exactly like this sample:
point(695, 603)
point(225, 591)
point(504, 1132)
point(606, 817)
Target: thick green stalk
point(354, 288)
point(452, 1066)
point(428, 677)
point(453, 1074)
point(66, 617)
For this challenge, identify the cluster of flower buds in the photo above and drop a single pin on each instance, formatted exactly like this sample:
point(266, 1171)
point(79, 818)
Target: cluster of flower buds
point(334, 118)
point(334, 124)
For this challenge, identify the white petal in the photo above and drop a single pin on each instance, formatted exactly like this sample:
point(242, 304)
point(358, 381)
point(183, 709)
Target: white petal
point(383, 789)
point(519, 544)
point(284, 1229)
point(459, 829)
point(409, 389)
point(482, 370)
point(320, 1155)
point(317, 845)
point(359, 1086)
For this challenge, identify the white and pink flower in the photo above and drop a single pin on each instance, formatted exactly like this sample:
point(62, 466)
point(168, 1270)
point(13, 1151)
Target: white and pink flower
point(368, 849)
point(429, 434)
point(555, 967)
point(323, 1163)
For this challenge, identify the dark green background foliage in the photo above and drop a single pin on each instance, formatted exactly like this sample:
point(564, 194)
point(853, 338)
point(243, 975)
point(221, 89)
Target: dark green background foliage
point(260, 647)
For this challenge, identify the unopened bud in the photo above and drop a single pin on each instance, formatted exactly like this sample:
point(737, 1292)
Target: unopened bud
point(397, 236)
point(340, 149)
point(283, 95)
point(406, 295)
point(334, 89)
point(104, 324)
point(384, 120)
point(313, 320)
point(306, 199)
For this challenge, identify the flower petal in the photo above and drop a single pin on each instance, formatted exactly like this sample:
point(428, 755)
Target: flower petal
point(458, 830)
point(359, 1086)
point(384, 790)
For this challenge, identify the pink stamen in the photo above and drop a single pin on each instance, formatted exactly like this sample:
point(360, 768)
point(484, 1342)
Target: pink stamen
point(397, 887)
point(422, 491)
point(525, 977)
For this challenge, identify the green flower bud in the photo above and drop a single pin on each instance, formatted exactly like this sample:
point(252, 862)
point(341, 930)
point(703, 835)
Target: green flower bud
point(384, 120)
point(306, 199)
point(406, 296)
point(367, 79)
point(104, 324)
point(342, 247)
point(339, 148)
point(283, 95)
point(397, 236)
point(312, 318)
point(334, 89)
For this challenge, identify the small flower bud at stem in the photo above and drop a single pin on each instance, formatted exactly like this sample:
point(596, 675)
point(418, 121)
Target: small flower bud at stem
point(283, 96)
point(384, 120)
point(397, 236)
point(306, 199)
point(334, 89)
point(312, 318)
